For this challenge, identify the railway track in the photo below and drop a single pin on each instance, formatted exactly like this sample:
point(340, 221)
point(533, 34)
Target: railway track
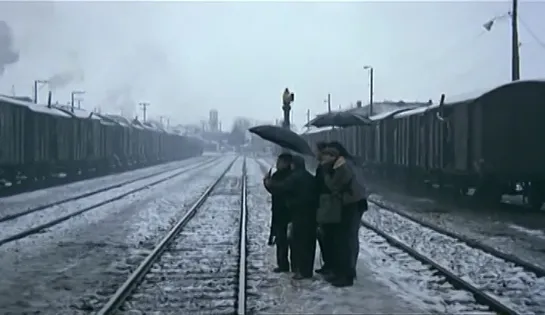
point(27, 185)
point(200, 265)
point(540, 272)
point(503, 286)
point(15, 215)
point(18, 233)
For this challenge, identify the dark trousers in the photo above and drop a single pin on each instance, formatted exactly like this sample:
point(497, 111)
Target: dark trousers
point(283, 249)
point(304, 247)
point(346, 241)
point(354, 229)
point(327, 245)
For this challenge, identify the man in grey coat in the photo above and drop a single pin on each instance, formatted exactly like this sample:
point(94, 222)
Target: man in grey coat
point(343, 181)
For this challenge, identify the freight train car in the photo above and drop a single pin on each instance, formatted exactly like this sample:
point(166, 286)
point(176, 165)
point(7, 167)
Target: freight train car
point(490, 141)
point(37, 142)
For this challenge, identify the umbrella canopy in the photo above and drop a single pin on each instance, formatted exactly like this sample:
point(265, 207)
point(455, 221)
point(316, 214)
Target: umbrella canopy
point(283, 137)
point(339, 119)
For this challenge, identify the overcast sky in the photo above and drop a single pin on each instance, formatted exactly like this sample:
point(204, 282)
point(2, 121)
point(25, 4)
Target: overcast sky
point(187, 58)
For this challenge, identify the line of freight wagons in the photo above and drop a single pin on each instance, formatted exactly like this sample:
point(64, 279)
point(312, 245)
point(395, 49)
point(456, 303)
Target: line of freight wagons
point(37, 141)
point(492, 141)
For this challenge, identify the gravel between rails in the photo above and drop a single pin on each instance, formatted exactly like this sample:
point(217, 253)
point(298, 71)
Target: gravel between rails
point(11, 204)
point(198, 273)
point(521, 290)
point(432, 289)
point(12, 215)
point(64, 270)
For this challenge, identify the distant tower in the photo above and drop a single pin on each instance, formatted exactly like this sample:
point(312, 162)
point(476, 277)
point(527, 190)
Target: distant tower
point(213, 121)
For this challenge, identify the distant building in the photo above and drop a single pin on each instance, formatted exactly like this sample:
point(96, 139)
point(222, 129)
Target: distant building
point(213, 121)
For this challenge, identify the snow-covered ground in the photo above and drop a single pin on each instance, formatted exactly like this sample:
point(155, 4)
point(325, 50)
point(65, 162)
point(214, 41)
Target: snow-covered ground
point(520, 234)
point(18, 225)
point(59, 271)
point(278, 294)
point(22, 201)
point(198, 272)
point(523, 291)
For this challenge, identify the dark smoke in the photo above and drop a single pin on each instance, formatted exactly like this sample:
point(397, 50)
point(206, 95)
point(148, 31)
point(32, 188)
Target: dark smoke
point(62, 79)
point(7, 53)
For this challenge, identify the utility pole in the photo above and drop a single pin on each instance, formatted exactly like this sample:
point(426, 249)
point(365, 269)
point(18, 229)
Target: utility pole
point(74, 93)
point(515, 56)
point(371, 82)
point(36, 82)
point(308, 119)
point(144, 107)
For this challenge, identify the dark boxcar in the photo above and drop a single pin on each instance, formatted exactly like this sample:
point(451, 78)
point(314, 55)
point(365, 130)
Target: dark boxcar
point(13, 116)
point(49, 140)
point(506, 132)
point(86, 152)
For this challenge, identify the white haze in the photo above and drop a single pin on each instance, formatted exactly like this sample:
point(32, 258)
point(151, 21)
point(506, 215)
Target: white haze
point(186, 58)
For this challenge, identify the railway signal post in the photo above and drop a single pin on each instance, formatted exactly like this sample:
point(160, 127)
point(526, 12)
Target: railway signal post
point(287, 99)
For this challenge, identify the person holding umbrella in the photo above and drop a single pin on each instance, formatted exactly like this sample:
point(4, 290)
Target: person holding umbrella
point(280, 214)
point(341, 179)
point(300, 191)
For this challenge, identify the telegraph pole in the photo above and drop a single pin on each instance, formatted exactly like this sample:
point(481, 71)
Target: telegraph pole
point(36, 82)
point(308, 119)
point(515, 56)
point(371, 82)
point(74, 93)
point(144, 107)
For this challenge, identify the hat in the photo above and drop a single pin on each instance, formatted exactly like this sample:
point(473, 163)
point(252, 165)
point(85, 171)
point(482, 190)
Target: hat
point(331, 151)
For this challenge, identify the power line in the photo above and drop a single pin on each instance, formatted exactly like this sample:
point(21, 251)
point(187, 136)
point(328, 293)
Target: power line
point(529, 30)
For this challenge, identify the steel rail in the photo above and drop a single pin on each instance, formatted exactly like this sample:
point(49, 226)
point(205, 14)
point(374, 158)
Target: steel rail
point(456, 281)
point(124, 291)
point(97, 191)
point(38, 228)
point(241, 303)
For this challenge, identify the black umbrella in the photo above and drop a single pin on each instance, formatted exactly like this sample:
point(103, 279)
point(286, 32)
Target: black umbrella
point(283, 137)
point(339, 119)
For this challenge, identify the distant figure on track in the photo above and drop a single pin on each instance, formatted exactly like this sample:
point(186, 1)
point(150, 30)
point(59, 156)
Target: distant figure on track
point(280, 214)
point(300, 189)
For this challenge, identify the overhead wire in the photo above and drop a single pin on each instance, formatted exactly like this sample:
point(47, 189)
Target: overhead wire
point(538, 40)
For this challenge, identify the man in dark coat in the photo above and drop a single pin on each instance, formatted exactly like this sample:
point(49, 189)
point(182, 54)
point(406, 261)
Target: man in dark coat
point(280, 215)
point(324, 240)
point(301, 194)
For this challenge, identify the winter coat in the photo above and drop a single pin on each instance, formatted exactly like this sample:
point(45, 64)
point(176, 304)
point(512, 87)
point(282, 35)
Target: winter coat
point(342, 179)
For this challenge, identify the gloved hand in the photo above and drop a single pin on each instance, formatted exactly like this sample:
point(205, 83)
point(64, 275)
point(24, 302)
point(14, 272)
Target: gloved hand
point(290, 231)
point(272, 240)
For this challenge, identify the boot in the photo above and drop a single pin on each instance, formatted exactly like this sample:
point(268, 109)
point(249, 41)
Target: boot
point(341, 282)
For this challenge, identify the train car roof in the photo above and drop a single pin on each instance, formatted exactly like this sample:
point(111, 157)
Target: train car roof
point(391, 113)
point(78, 112)
point(410, 112)
point(120, 120)
point(38, 108)
point(477, 94)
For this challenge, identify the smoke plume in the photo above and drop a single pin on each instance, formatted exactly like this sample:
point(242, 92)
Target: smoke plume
point(7, 53)
point(62, 79)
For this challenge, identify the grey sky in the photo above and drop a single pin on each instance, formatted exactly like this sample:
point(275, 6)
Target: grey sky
point(186, 58)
